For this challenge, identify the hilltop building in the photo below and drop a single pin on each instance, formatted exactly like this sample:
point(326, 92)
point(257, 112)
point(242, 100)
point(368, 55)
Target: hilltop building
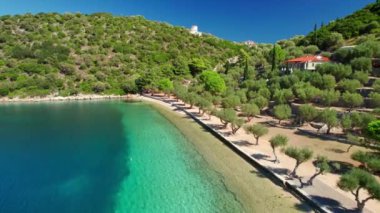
point(194, 30)
point(307, 62)
point(250, 43)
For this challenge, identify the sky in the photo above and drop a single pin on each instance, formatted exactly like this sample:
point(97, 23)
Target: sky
point(237, 20)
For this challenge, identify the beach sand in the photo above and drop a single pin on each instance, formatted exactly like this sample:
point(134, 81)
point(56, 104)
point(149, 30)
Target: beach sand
point(332, 149)
point(254, 191)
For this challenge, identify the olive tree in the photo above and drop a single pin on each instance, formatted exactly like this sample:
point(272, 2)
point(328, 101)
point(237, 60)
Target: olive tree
point(226, 116)
point(275, 142)
point(250, 111)
point(260, 101)
point(329, 97)
point(352, 100)
point(202, 104)
point(282, 112)
point(322, 167)
point(355, 140)
point(301, 155)
point(357, 180)
point(329, 117)
point(307, 113)
point(257, 130)
point(375, 99)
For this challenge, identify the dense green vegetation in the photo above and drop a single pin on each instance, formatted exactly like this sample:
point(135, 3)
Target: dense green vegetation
point(70, 54)
point(361, 23)
point(73, 53)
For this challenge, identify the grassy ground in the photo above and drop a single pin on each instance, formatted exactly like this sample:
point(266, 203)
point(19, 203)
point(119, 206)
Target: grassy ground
point(255, 191)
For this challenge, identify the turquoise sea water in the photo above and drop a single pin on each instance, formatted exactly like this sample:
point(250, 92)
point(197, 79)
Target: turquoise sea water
point(102, 157)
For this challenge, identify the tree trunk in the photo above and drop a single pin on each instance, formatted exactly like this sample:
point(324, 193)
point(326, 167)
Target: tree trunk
point(310, 182)
point(234, 129)
point(362, 203)
point(249, 118)
point(279, 122)
point(293, 173)
point(328, 130)
point(257, 141)
point(199, 110)
point(358, 203)
point(275, 156)
point(348, 149)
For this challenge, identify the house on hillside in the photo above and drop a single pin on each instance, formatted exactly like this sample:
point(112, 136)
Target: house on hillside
point(308, 62)
point(194, 30)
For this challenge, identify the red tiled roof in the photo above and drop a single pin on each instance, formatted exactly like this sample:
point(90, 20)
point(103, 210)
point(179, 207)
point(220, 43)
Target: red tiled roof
point(309, 58)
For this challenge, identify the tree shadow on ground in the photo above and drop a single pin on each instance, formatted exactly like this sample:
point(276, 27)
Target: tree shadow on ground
point(333, 205)
point(339, 151)
point(303, 207)
point(242, 143)
point(216, 126)
point(279, 171)
point(340, 167)
point(311, 135)
point(260, 156)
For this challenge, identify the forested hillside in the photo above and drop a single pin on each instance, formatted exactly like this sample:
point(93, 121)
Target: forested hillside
point(99, 53)
point(359, 25)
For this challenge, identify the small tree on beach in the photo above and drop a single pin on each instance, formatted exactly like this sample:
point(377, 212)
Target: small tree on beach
point(250, 111)
point(282, 112)
point(300, 155)
point(354, 140)
point(180, 91)
point(226, 116)
point(202, 103)
point(357, 180)
point(277, 141)
point(323, 167)
point(191, 98)
point(307, 113)
point(369, 161)
point(257, 130)
point(210, 110)
point(236, 124)
point(329, 117)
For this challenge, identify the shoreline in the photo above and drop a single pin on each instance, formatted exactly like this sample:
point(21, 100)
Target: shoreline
point(323, 187)
point(80, 97)
point(326, 185)
point(242, 179)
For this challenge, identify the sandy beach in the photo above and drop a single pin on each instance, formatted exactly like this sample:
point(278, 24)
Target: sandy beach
point(324, 185)
point(78, 97)
point(241, 177)
point(255, 192)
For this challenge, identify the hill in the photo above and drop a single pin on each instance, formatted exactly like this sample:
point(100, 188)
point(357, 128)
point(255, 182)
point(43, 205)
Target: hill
point(364, 22)
point(66, 54)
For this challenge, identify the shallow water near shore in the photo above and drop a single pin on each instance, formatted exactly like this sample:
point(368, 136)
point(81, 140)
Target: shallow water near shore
point(112, 156)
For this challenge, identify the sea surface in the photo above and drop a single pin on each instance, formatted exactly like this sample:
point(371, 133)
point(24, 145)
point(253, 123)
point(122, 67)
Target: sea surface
point(104, 156)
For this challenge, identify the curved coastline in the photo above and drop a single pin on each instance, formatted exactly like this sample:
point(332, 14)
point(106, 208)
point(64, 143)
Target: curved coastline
point(252, 188)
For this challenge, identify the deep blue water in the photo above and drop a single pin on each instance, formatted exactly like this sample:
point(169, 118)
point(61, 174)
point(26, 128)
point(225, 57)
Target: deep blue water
point(101, 157)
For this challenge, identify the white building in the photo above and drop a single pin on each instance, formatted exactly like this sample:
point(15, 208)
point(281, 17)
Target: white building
point(194, 30)
point(308, 62)
point(250, 43)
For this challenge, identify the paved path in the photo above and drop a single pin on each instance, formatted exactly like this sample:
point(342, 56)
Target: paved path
point(325, 195)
